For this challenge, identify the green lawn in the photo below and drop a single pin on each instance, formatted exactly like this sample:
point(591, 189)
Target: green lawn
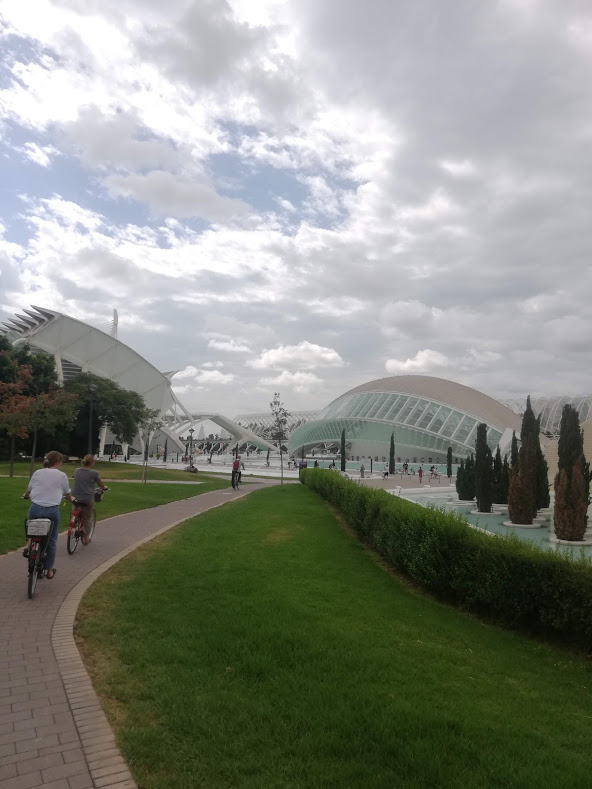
point(259, 645)
point(121, 497)
point(113, 471)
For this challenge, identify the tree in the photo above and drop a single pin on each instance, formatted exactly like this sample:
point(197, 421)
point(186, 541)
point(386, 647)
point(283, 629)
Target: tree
point(279, 416)
point(572, 483)
point(498, 480)
point(522, 497)
point(505, 481)
point(148, 423)
point(483, 470)
point(343, 449)
point(514, 451)
point(449, 464)
point(465, 479)
point(392, 455)
point(121, 410)
point(30, 399)
point(460, 474)
point(166, 447)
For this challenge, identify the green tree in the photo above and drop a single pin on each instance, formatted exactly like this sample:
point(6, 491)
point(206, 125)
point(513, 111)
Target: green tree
point(572, 483)
point(30, 400)
point(343, 449)
point(392, 455)
point(449, 464)
point(460, 473)
point(120, 410)
point(483, 470)
point(505, 491)
point(514, 451)
point(522, 498)
point(279, 416)
point(465, 479)
point(498, 477)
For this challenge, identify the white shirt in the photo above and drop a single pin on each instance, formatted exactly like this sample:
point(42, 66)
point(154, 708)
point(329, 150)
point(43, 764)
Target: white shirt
point(48, 486)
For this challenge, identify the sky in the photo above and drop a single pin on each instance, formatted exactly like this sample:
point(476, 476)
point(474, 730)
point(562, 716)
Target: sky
point(298, 196)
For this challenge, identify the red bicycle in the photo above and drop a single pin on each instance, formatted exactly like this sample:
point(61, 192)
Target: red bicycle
point(75, 530)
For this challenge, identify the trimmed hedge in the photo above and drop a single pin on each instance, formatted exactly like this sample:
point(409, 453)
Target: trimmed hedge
point(515, 582)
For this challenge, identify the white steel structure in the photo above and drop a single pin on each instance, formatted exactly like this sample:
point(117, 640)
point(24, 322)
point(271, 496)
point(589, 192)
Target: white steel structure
point(78, 347)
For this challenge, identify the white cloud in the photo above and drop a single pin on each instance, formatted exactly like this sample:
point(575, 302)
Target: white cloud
point(298, 381)
point(228, 344)
point(304, 355)
point(423, 362)
point(191, 378)
point(40, 154)
point(460, 168)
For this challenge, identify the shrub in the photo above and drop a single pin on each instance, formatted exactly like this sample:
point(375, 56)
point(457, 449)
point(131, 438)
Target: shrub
point(512, 581)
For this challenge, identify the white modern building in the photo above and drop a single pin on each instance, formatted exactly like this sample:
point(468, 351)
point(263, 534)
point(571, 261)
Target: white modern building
point(78, 347)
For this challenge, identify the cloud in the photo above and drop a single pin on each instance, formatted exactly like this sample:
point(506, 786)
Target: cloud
point(170, 195)
point(304, 355)
point(229, 345)
point(423, 362)
point(191, 378)
point(41, 155)
point(299, 381)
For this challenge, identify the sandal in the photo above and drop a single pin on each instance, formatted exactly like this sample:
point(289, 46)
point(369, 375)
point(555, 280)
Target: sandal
point(52, 576)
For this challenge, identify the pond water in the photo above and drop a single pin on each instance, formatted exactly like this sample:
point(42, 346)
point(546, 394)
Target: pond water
point(495, 524)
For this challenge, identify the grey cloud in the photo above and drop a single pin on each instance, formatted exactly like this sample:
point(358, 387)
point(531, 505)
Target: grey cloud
point(171, 195)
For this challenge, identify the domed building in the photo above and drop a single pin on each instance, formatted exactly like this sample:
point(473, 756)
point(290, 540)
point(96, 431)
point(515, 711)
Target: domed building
point(426, 415)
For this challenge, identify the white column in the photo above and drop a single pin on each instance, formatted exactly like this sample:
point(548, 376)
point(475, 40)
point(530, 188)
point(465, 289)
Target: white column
point(102, 436)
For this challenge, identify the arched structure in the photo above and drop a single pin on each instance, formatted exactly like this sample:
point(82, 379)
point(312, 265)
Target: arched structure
point(262, 424)
point(78, 347)
point(426, 414)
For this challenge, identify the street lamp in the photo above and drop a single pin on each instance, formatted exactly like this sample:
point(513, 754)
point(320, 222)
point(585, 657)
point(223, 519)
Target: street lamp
point(92, 388)
point(191, 431)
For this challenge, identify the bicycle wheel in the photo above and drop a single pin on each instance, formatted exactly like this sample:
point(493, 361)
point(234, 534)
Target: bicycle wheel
point(33, 569)
point(92, 523)
point(74, 535)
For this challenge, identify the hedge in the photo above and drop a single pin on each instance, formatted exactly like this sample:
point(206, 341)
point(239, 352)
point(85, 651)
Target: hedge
point(512, 581)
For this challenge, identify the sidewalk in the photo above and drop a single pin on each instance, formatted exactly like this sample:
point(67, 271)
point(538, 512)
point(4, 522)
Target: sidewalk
point(53, 732)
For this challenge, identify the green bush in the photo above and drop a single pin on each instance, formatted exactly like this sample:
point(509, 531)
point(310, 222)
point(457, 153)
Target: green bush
point(515, 582)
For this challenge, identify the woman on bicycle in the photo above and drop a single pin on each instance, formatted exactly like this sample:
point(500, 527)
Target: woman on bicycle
point(86, 479)
point(46, 489)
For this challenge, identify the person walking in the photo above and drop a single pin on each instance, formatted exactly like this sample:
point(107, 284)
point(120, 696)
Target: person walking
point(420, 474)
point(46, 489)
point(362, 470)
point(86, 479)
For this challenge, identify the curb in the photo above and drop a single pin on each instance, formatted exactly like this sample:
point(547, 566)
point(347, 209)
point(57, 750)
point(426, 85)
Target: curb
point(105, 762)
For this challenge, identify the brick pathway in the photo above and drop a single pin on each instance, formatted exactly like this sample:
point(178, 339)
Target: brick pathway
point(53, 732)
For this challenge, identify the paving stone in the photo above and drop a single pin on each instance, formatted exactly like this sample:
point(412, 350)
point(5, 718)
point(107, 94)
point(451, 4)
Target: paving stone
point(44, 688)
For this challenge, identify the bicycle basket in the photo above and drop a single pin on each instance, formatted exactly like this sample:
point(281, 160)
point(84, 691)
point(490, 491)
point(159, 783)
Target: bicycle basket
point(98, 494)
point(38, 527)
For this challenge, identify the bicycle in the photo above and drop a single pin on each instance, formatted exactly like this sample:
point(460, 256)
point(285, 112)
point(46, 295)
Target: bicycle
point(75, 530)
point(38, 532)
point(236, 480)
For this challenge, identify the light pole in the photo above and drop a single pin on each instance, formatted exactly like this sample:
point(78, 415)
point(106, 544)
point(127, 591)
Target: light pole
point(92, 388)
point(191, 431)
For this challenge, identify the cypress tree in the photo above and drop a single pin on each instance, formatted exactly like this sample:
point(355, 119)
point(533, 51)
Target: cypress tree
point(505, 490)
point(460, 475)
point(449, 464)
point(543, 498)
point(521, 498)
point(498, 477)
point(470, 477)
point(483, 470)
point(392, 455)
point(572, 483)
point(343, 449)
point(514, 451)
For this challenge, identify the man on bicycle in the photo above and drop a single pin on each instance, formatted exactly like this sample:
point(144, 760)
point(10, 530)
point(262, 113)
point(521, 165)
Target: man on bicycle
point(46, 489)
point(86, 479)
point(236, 472)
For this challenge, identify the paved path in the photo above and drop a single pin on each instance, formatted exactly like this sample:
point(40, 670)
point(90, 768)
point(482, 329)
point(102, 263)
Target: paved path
point(53, 732)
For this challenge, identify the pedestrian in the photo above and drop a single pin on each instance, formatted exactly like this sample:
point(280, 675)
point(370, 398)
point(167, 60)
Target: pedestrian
point(362, 470)
point(420, 473)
